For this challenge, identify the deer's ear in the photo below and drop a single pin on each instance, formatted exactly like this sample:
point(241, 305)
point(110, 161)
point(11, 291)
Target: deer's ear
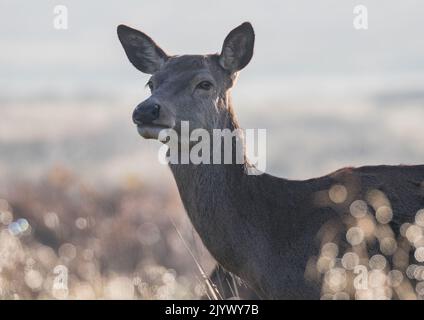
point(238, 48)
point(141, 50)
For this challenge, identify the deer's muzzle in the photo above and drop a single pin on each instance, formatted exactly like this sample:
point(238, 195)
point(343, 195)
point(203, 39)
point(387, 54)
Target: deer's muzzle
point(150, 119)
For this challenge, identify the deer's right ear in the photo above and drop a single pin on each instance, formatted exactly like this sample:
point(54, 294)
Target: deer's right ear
point(141, 50)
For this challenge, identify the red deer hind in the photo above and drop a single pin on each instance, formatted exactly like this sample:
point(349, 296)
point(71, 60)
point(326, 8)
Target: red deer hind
point(260, 227)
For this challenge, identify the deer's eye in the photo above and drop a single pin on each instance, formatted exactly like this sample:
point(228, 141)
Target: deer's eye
point(204, 85)
point(150, 85)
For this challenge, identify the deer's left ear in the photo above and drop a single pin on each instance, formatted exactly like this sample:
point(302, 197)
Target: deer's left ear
point(238, 48)
point(141, 50)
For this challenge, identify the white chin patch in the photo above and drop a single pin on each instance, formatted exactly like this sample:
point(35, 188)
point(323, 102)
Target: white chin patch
point(150, 131)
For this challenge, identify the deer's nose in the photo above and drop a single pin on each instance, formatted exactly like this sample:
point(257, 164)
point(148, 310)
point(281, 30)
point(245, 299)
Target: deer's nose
point(146, 113)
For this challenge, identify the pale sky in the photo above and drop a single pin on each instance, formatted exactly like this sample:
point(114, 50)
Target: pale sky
point(294, 39)
point(326, 92)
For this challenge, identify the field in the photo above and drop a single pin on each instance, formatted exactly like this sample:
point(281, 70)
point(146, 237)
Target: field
point(88, 212)
point(60, 238)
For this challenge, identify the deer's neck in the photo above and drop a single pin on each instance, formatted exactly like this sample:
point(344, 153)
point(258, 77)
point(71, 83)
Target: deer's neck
point(236, 214)
point(211, 197)
point(210, 192)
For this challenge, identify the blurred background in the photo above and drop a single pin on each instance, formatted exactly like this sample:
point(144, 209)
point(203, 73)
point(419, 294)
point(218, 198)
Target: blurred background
point(80, 189)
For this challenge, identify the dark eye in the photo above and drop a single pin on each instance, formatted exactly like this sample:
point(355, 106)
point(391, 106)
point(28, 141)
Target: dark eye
point(150, 85)
point(204, 85)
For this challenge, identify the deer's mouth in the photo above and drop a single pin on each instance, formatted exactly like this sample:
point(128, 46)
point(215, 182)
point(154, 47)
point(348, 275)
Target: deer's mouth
point(152, 131)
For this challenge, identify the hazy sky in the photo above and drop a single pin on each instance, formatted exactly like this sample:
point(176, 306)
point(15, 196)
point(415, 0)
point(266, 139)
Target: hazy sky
point(307, 50)
point(295, 38)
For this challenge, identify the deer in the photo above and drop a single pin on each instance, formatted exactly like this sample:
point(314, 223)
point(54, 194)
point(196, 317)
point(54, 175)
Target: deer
point(259, 227)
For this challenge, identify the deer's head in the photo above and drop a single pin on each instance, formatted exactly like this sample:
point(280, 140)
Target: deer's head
point(185, 88)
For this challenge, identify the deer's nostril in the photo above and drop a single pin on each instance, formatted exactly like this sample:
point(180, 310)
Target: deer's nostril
point(155, 111)
point(146, 114)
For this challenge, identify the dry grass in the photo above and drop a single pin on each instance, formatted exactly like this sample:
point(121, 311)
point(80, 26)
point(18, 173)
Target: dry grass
point(60, 238)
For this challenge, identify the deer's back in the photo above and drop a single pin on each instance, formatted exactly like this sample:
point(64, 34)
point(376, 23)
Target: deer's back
point(399, 187)
point(299, 217)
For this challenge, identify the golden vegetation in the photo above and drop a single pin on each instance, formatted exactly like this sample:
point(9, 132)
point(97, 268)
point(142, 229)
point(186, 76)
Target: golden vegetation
point(60, 238)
